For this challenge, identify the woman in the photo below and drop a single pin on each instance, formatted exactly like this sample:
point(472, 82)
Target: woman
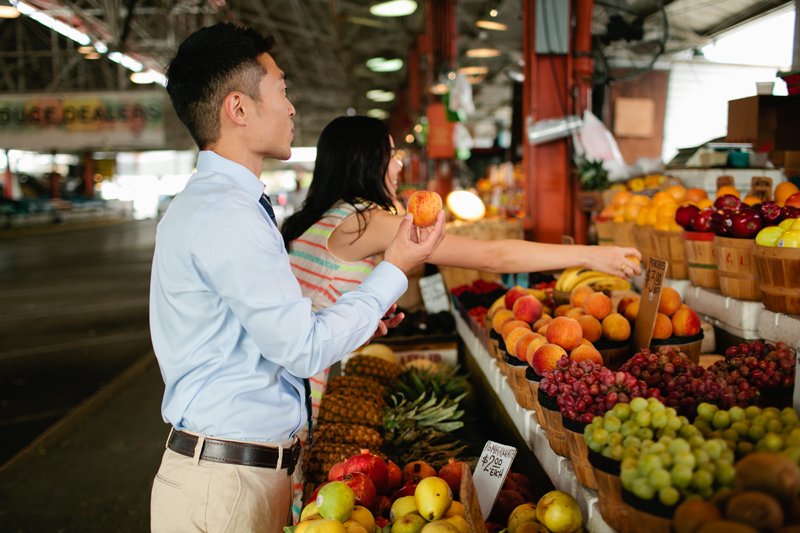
point(349, 218)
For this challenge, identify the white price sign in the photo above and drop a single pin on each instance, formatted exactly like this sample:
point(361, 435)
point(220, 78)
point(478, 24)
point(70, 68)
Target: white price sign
point(434, 293)
point(493, 466)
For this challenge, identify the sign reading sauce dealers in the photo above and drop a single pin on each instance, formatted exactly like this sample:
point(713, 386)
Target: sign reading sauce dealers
point(123, 120)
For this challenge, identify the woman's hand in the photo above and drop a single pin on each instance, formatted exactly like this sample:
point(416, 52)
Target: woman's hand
point(614, 260)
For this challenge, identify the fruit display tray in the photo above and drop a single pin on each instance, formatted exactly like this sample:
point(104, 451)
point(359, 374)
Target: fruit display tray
point(559, 469)
point(737, 317)
point(777, 327)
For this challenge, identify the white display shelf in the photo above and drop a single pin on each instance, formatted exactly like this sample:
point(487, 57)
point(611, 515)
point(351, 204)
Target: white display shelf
point(558, 468)
point(737, 317)
point(706, 178)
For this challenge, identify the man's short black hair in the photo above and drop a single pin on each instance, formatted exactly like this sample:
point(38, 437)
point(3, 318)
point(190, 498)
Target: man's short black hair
point(210, 63)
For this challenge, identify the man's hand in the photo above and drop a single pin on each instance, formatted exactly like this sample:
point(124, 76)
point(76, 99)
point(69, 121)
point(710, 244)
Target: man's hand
point(387, 323)
point(413, 245)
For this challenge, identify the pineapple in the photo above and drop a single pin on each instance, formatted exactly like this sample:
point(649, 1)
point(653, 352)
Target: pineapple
point(379, 370)
point(321, 457)
point(355, 383)
point(363, 436)
point(349, 409)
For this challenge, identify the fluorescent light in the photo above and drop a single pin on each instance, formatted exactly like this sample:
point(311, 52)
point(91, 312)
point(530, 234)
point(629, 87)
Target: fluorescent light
point(394, 8)
point(149, 76)
point(56, 25)
point(491, 25)
point(303, 155)
point(8, 12)
point(379, 95)
point(380, 114)
point(483, 52)
point(380, 64)
point(100, 47)
point(473, 71)
point(92, 55)
point(86, 49)
point(126, 61)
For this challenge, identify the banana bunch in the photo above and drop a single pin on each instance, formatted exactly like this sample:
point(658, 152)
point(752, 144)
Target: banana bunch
point(574, 277)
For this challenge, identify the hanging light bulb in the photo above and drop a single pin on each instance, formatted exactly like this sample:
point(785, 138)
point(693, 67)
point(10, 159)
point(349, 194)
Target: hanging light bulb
point(393, 8)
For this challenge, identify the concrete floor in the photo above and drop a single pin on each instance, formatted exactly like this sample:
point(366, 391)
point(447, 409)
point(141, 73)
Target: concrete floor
point(73, 317)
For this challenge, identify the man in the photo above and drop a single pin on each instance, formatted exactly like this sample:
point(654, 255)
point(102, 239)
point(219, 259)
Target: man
point(233, 335)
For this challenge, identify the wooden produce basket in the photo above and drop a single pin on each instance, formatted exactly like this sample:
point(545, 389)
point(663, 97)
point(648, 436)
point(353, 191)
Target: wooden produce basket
point(609, 491)
point(701, 258)
point(605, 231)
point(688, 345)
point(516, 377)
point(491, 339)
point(738, 275)
point(669, 246)
point(614, 353)
point(623, 234)
point(779, 272)
point(533, 380)
point(645, 242)
point(578, 452)
point(648, 516)
point(555, 431)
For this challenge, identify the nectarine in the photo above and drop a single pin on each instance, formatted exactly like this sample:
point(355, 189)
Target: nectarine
point(577, 296)
point(513, 337)
point(624, 302)
point(546, 357)
point(543, 321)
point(425, 205)
point(670, 301)
point(583, 352)
point(632, 311)
point(616, 327)
point(662, 329)
point(534, 345)
point(575, 312)
point(565, 332)
point(528, 309)
point(514, 294)
point(592, 329)
point(499, 318)
point(511, 325)
point(598, 305)
point(561, 310)
point(685, 322)
point(521, 347)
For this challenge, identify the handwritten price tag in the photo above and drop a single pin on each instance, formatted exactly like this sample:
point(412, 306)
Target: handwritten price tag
point(648, 304)
point(493, 466)
point(434, 293)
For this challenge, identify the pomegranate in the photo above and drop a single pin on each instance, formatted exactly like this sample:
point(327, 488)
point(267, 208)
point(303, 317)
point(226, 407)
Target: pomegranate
point(493, 527)
point(382, 506)
point(363, 488)
point(370, 465)
point(522, 480)
point(417, 471)
point(510, 484)
point(406, 490)
point(451, 473)
point(381, 522)
point(337, 471)
point(395, 480)
point(506, 502)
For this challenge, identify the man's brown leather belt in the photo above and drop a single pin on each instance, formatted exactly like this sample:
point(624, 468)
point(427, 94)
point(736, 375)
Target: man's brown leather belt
point(238, 453)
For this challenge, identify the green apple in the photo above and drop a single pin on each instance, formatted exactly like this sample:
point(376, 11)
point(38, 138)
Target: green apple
point(769, 236)
point(790, 239)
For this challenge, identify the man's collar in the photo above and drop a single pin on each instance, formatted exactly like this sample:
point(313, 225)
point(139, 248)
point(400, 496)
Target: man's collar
point(208, 161)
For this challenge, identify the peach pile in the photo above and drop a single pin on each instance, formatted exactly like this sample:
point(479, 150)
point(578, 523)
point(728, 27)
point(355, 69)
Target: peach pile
point(674, 318)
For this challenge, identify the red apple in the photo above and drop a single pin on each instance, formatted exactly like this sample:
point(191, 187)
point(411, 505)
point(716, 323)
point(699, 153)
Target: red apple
point(727, 201)
point(744, 223)
point(788, 211)
point(424, 205)
point(793, 200)
point(718, 218)
point(702, 222)
point(770, 213)
point(685, 215)
point(363, 488)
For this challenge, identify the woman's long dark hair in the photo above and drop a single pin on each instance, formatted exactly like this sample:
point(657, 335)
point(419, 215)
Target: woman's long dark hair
point(353, 155)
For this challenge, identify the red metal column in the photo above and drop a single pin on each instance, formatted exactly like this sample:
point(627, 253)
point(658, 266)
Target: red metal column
point(583, 68)
point(88, 174)
point(549, 206)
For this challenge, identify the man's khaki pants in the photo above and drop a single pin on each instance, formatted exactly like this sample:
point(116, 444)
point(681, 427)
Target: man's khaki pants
point(191, 495)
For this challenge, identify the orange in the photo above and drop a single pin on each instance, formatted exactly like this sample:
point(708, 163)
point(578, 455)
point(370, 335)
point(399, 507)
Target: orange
point(621, 198)
point(783, 191)
point(662, 197)
point(608, 211)
point(667, 209)
point(751, 200)
point(636, 184)
point(641, 218)
point(663, 223)
point(639, 199)
point(727, 189)
point(704, 203)
point(678, 192)
point(631, 210)
point(695, 194)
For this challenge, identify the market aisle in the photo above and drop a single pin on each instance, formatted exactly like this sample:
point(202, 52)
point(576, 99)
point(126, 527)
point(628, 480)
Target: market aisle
point(73, 315)
point(99, 476)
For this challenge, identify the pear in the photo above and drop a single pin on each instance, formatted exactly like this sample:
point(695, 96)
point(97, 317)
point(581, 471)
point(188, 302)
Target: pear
point(523, 513)
point(433, 498)
point(559, 512)
point(535, 527)
point(325, 526)
point(354, 527)
point(459, 522)
point(309, 510)
point(303, 524)
point(456, 509)
point(440, 526)
point(402, 506)
point(363, 516)
point(335, 501)
point(408, 523)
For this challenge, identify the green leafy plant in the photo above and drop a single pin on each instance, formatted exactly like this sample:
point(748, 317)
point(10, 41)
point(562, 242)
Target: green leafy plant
point(591, 175)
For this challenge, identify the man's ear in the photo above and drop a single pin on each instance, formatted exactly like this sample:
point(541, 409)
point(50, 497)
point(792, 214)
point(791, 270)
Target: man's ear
point(233, 108)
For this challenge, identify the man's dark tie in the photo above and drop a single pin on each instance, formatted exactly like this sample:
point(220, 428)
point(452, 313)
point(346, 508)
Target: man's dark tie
point(265, 203)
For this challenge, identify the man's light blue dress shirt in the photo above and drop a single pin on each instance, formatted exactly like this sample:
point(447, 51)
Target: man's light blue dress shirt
point(230, 327)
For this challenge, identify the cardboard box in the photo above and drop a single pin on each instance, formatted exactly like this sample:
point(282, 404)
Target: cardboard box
point(764, 119)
